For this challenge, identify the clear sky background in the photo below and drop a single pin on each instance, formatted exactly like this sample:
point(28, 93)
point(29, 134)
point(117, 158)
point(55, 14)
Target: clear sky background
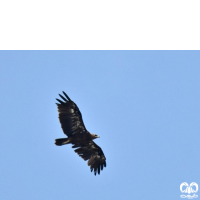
point(144, 105)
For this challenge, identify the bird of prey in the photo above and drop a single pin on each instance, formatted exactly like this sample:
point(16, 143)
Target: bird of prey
point(72, 125)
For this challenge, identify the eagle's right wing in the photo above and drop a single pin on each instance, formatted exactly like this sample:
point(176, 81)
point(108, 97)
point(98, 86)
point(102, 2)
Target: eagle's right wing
point(70, 116)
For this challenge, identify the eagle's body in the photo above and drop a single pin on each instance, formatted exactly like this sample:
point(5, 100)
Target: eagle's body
point(72, 124)
point(77, 138)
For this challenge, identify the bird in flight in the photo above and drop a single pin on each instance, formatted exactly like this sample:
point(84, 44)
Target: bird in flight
point(72, 125)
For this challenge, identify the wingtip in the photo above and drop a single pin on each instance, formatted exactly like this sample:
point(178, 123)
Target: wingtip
point(66, 96)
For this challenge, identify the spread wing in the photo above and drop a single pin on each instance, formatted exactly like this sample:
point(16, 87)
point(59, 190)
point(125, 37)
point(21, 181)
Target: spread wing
point(93, 153)
point(70, 116)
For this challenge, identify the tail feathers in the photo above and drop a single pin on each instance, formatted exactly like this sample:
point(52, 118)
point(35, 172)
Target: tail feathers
point(61, 141)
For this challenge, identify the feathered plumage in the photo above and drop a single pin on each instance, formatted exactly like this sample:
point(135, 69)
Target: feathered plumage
point(72, 124)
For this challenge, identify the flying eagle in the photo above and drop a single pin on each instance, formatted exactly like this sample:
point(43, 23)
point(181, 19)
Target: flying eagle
point(72, 125)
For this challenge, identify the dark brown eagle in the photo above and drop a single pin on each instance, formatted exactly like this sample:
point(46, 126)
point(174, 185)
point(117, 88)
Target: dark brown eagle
point(72, 124)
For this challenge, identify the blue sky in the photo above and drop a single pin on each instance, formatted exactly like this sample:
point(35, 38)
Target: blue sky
point(144, 105)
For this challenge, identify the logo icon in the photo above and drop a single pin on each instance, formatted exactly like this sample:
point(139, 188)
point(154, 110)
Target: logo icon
point(192, 188)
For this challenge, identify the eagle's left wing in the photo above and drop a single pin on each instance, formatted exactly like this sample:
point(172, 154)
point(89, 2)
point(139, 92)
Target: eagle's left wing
point(93, 153)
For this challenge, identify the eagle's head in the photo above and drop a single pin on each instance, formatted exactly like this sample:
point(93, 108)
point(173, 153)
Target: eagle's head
point(94, 136)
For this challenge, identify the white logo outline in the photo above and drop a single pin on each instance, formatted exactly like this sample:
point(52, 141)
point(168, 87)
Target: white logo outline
point(189, 189)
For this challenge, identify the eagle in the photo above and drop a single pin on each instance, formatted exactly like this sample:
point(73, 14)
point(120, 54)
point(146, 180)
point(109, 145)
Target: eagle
point(73, 127)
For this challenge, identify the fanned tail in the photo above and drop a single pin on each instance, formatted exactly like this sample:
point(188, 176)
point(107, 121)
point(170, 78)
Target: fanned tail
point(61, 141)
